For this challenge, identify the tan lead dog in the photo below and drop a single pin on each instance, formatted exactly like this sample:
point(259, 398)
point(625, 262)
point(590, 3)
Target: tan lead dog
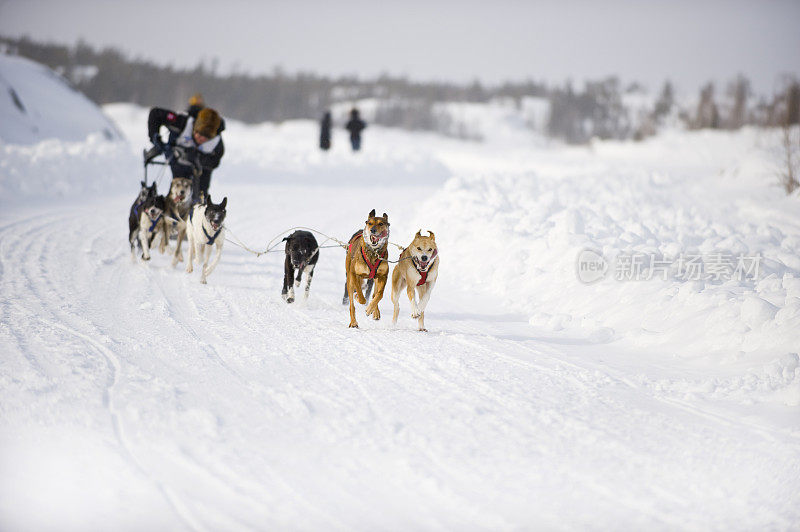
point(179, 204)
point(366, 259)
point(417, 268)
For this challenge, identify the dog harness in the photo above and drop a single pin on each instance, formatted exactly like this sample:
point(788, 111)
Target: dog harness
point(424, 274)
point(153, 226)
point(373, 267)
point(210, 238)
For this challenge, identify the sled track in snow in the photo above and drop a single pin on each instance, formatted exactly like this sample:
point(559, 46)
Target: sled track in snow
point(31, 243)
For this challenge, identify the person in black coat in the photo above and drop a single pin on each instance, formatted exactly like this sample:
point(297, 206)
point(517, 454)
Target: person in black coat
point(325, 131)
point(355, 126)
point(194, 147)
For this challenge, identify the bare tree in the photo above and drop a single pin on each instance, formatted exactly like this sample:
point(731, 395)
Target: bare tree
point(707, 112)
point(738, 91)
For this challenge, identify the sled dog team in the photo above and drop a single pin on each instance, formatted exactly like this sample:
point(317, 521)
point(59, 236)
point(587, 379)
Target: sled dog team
point(366, 261)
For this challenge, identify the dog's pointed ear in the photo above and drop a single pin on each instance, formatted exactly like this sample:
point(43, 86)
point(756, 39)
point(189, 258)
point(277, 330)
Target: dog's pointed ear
point(224, 202)
point(431, 235)
point(419, 233)
point(371, 213)
point(145, 184)
point(208, 199)
point(386, 217)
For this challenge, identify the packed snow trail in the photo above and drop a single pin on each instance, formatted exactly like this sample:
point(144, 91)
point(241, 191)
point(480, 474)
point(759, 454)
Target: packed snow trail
point(220, 407)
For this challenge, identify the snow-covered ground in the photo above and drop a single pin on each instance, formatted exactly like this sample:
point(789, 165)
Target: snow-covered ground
point(135, 398)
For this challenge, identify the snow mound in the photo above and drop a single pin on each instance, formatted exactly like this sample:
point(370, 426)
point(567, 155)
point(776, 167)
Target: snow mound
point(699, 253)
point(37, 104)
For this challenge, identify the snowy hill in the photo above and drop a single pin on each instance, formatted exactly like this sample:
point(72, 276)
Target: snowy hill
point(36, 104)
point(540, 398)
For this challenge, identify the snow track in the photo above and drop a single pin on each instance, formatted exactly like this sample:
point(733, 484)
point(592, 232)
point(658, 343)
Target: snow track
point(220, 407)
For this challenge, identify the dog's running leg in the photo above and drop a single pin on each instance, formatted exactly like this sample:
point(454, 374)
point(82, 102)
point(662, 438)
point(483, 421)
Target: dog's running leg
point(143, 240)
point(178, 257)
point(288, 276)
point(207, 269)
point(162, 245)
point(412, 296)
point(424, 296)
point(309, 270)
point(345, 298)
point(133, 237)
point(190, 243)
point(353, 283)
point(372, 308)
point(397, 286)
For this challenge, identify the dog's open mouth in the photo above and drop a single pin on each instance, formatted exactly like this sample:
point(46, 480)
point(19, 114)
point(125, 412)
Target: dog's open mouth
point(214, 226)
point(376, 239)
point(422, 266)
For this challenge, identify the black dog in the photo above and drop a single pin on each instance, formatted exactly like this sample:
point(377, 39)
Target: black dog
point(367, 285)
point(136, 209)
point(302, 253)
point(150, 222)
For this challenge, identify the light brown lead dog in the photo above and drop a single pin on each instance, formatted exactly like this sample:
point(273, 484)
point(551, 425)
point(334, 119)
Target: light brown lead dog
point(366, 259)
point(179, 204)
point(418, 269)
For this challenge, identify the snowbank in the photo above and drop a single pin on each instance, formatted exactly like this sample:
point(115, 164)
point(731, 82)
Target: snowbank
point(671, 219)
point(37, 104)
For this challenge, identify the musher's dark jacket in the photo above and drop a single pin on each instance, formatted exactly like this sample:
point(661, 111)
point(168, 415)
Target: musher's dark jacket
point(187, 153)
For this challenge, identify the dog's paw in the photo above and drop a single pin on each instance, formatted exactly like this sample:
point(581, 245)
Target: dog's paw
point(423, 329)
point(145, 257)
point(353, 325)
point(203, 281)
point(374, 312)
point(361, 299)
point(297, 283)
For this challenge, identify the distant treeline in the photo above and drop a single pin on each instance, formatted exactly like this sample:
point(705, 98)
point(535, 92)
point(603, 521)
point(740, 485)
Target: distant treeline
point(602, 109)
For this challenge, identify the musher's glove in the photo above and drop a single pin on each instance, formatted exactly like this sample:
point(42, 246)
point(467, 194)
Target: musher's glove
point(162, 147)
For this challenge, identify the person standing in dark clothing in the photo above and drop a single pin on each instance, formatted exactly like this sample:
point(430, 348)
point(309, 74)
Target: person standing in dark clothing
point(355, 126)
point(325, 132)
point(194, 147)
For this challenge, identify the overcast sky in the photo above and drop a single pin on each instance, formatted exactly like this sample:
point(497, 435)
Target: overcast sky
point(687, 41)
